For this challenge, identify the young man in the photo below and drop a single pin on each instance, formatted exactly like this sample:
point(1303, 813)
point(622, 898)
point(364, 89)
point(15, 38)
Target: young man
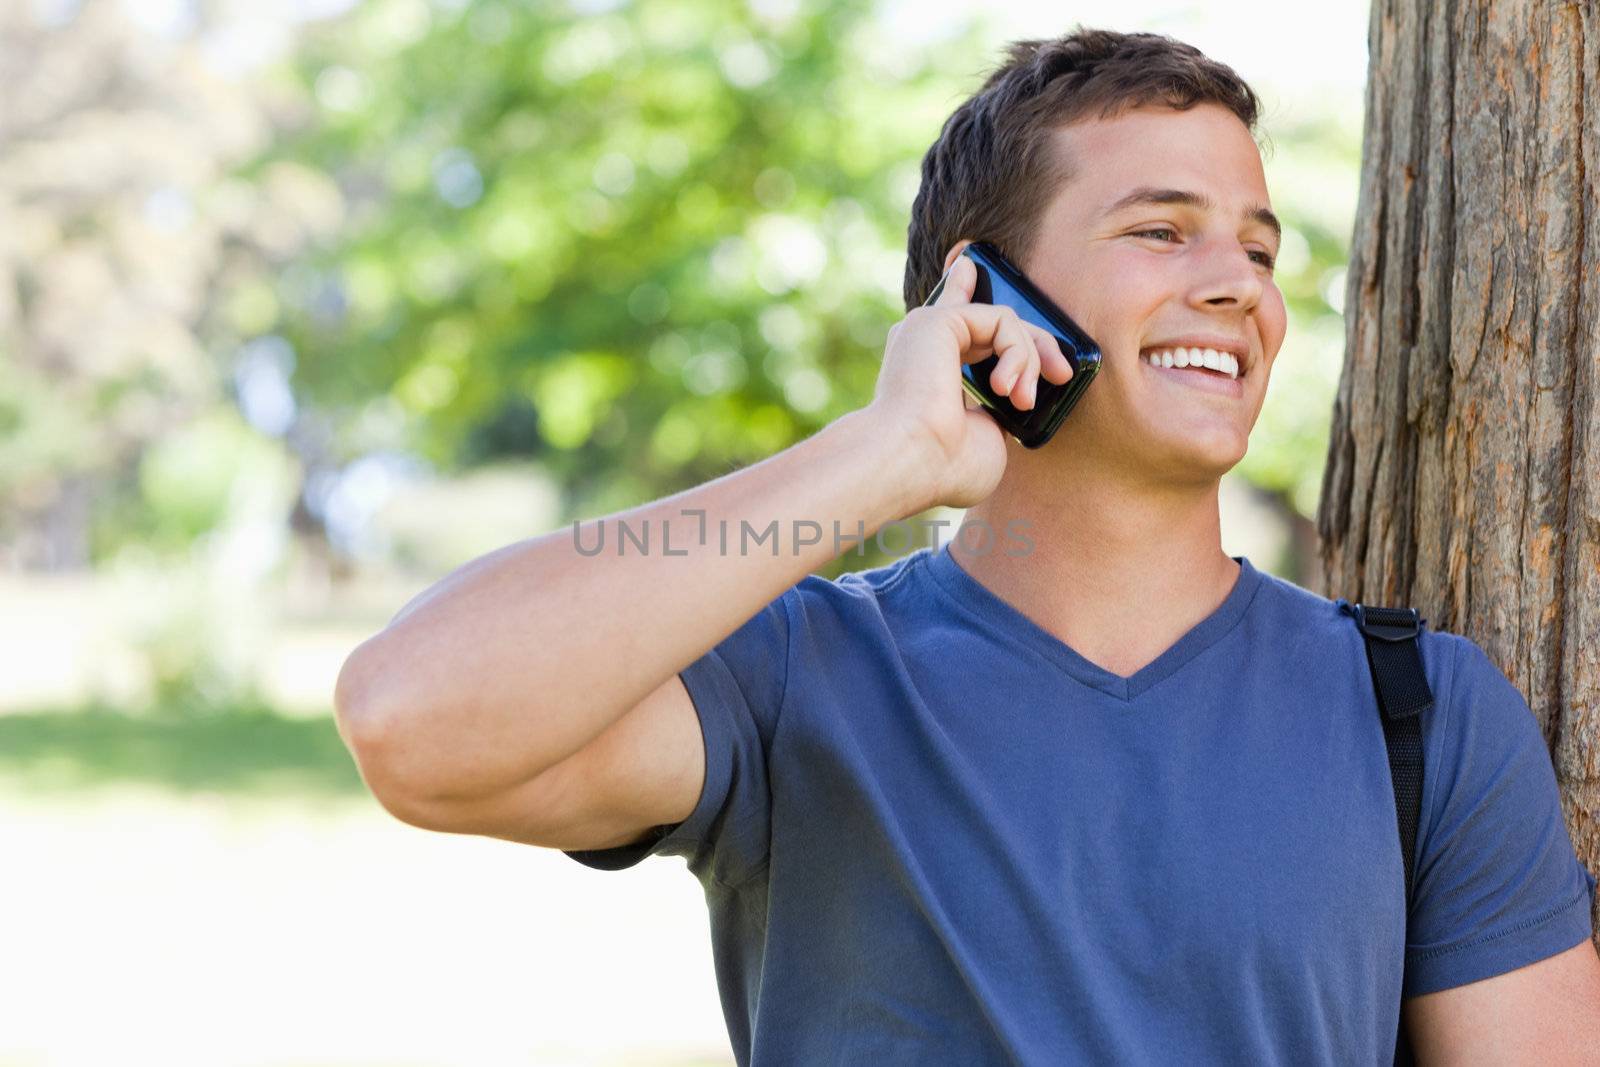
point(1119, 798)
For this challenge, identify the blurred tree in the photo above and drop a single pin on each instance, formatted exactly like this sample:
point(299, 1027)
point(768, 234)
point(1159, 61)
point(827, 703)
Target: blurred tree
point(644, 245)
point(1462, 469)
point(121, 230)
point(640, 243)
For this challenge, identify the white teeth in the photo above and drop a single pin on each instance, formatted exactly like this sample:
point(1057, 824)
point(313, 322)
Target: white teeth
point(1211, 358)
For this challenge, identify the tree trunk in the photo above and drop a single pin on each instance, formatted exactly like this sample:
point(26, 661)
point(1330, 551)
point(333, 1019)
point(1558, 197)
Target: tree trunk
point(1463, 471)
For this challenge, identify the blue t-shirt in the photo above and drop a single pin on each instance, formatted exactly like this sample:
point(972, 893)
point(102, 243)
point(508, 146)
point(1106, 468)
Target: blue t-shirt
point(930, 831)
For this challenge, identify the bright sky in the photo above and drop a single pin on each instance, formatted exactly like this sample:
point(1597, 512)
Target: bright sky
point(1258, 38)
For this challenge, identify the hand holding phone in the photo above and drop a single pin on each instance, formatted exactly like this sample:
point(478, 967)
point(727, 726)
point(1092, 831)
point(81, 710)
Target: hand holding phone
point(917, 402)
point(1002, 284)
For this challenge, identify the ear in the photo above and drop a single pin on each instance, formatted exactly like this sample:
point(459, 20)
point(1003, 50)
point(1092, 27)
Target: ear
point(956, 251)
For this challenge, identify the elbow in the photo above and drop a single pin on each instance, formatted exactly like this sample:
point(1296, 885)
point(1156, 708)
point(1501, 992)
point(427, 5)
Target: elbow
point(379, 754)
point(401, 752)
point(370, 728)
point(356, 698)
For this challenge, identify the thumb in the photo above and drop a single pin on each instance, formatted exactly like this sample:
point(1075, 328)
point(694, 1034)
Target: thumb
point(958, 282)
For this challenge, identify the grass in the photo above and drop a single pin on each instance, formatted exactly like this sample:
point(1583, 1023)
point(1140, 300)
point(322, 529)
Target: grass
point(249, 750)
point(205, 856)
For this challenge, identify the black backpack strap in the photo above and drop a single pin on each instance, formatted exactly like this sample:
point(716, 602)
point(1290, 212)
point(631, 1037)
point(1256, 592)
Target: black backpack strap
point(1395, 656)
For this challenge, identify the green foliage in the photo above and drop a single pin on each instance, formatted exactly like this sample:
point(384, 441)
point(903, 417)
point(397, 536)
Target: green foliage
point(648, 246)
point(189, 480)
point(643, 247)
point(1311, 172)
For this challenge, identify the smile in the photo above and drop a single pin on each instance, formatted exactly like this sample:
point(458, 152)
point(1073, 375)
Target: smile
point(1209, 358)
point(1195, 377)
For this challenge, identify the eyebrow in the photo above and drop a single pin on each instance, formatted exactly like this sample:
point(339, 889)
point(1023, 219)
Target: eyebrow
point(1148, 195)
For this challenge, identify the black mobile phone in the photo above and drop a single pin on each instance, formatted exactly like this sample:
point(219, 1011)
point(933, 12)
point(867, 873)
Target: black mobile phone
point(1000, 282)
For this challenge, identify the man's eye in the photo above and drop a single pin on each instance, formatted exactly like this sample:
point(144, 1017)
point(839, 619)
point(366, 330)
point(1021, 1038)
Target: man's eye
point(1265, 259)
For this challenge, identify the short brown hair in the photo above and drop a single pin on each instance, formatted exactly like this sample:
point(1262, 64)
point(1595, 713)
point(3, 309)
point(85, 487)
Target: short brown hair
point(994, 170)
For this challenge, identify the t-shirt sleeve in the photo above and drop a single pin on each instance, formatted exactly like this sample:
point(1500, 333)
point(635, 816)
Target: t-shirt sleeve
point(737, 689)
point(1499, 885)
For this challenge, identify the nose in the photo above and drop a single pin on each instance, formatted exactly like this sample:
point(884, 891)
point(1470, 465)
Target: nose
point(1228, 277)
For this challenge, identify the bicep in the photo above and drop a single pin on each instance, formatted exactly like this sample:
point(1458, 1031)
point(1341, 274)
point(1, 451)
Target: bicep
point(1499, 885)
point(1546, 1013)
point(643, 771)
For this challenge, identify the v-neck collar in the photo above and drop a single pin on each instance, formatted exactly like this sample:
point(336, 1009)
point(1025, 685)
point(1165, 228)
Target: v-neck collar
point(1011, 624)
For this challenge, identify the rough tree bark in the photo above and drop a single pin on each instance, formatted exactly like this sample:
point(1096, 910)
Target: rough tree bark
point(1463, 471)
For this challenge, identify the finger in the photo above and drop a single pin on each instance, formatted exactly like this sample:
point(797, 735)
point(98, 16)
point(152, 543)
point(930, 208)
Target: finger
point(982, 330)
point(1012, 375)
point(1026, 392)
point(1042, 365)
point(959, 282)
point(1053, 363)
point(1015, 348)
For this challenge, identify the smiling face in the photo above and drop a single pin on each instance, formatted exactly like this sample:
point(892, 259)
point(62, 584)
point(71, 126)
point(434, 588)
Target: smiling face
point(1164, 239)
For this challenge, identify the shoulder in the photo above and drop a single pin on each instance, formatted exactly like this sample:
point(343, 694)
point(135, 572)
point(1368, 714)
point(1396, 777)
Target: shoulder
point(1316, 641)
point(1481, 739)
point(1320, 622)
point(863, 613)
point(869, 591)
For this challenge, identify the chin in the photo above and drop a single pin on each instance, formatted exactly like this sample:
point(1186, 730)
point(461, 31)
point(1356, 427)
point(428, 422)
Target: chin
point(1202, 461)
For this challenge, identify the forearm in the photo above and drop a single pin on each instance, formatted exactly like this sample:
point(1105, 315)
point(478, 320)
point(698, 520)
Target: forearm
point(518, 659)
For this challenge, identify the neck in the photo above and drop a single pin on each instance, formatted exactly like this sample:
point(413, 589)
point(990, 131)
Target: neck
point(1119, 568)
